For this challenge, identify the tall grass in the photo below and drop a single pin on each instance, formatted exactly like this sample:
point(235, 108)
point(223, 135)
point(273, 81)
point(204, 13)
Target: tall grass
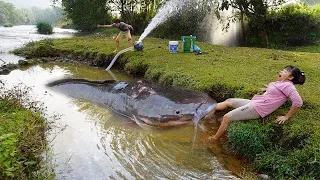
point(23, 130)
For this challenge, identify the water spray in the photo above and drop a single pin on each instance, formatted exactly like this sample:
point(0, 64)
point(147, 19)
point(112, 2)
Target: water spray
point(170, 8)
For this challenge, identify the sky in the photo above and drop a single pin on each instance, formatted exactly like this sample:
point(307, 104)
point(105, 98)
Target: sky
point(30, 3)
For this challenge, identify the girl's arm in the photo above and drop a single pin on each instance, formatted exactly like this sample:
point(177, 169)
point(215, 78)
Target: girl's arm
point(296, 100)
point(293, 110)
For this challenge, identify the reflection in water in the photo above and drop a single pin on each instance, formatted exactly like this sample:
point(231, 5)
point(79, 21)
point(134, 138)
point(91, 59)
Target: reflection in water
point(98, 144)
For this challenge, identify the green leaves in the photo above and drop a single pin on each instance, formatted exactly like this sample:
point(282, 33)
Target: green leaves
point(8, 155)
point(86, 15)
point(44, 27)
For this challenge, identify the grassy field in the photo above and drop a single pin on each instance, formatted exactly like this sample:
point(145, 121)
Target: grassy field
point(289, 151)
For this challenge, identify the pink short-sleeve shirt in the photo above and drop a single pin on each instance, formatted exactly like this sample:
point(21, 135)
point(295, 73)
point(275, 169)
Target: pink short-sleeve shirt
point(277, 94)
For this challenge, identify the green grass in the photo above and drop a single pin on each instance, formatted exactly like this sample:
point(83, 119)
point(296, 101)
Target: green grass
point(225, 72)
point(22, 137)
point(311, 49)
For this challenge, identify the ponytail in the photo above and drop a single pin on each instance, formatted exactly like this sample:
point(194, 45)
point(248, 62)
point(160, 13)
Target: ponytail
point(298, 76)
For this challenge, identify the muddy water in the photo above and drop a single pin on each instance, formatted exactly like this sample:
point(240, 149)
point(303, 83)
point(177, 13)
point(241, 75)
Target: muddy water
point(16, 36)
point(98, 144)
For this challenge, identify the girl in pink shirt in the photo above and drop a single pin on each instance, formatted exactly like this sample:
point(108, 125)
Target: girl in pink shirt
point(276, 94)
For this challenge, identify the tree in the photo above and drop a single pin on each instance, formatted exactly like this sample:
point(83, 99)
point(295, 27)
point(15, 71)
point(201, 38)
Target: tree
point(136, 12)
point(186, 19)
point(8, 13)
point(254, 10)
point(27, 16)
point(86, 14)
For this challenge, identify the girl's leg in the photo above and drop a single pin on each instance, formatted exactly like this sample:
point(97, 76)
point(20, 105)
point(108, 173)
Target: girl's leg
point(231, 102)
point(223, 127)
point(245, 112)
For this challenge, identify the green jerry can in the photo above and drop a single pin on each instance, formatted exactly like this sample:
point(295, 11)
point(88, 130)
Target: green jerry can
point(188, 42)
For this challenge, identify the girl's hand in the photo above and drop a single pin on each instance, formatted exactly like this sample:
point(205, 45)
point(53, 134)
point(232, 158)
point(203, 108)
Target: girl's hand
point(262, 90)
point(281, 119)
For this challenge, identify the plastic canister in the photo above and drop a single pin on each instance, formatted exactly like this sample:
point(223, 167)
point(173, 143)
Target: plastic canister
point(173, 46)
point(188, 42)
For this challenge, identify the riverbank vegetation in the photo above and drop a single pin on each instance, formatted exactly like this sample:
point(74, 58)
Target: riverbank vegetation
point(44, 28)
point(23, 143)
point(28, 16)
point(288, 151)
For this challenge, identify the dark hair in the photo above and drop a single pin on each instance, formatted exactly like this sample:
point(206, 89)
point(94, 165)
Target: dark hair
point(117, 21)
point(298, 76)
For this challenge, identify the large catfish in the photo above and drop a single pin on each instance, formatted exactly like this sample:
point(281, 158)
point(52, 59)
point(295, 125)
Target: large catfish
point(145, 103)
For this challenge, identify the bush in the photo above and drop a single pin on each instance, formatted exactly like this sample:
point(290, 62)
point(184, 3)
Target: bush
point(42, 48)
point(7, 25)
point(8, 155)
point(185, 22)
point(282, 27)
point(44, 28)
point(23, 131)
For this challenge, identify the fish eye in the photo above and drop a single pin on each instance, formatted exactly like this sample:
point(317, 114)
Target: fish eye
point(178, 112)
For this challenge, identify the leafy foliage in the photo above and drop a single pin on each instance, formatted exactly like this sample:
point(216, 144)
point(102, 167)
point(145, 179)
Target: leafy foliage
point(185, 22)
point(7, 25)
point(8, 155)
point(86, 15)
point(136, 12)
point(8, 13)
point(44, 28)
point(22, 135)
point(283, 25)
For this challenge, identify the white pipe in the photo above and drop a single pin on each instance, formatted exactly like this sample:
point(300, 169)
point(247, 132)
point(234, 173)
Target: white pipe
point(117, 55)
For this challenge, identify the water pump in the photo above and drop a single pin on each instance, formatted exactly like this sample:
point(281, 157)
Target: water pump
point(138, 45)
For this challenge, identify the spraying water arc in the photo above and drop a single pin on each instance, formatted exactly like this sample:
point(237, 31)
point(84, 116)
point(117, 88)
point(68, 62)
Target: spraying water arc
point(169, 9)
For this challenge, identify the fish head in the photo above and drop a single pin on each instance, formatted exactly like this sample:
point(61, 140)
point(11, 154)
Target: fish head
point(173, 114)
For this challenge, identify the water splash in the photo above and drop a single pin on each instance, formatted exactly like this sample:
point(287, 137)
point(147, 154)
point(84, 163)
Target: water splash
point(199, 115)
point(213, 29)
point(170, 8)
point(117, 55)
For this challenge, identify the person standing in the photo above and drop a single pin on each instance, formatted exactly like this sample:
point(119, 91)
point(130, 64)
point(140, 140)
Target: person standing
point(125, 30)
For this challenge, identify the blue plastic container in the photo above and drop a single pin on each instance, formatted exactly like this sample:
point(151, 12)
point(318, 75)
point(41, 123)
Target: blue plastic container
point(173, 46)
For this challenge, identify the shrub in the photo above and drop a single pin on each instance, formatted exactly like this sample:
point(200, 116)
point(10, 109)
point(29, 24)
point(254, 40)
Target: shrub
point(44, 28)
point(7, 25)
point(185, 22)
point(23, 131)
point(44, 48)
point(8, 155)
point(282, 27)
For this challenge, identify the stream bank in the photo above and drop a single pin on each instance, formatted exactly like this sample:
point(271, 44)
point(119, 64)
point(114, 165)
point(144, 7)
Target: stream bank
point(224, 72)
